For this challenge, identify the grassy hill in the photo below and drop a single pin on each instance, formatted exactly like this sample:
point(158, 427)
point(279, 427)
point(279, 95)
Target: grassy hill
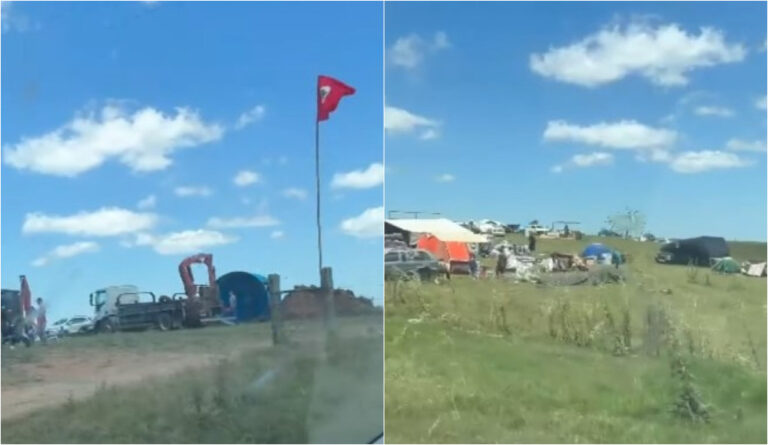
point(497, 361)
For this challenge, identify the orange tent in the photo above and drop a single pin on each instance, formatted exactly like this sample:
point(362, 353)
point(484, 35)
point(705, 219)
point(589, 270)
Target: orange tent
point(450, 251)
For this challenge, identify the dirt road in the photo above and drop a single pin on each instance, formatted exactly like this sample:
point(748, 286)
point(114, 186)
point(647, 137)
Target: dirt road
point(57, 377)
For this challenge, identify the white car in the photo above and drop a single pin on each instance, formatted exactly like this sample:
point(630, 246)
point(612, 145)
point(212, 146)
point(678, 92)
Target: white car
point(490, 227)
point(536, 230)
point(78, 325)
point(57, 328)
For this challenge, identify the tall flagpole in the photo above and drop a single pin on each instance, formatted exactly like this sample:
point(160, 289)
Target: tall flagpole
point(317, 179)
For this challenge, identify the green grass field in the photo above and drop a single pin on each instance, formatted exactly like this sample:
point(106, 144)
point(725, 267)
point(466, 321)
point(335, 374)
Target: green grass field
point(300, 392)
point(474, 361)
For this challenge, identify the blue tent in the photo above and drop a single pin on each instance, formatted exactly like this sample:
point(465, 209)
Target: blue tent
point(597, 250)
point(250, 292)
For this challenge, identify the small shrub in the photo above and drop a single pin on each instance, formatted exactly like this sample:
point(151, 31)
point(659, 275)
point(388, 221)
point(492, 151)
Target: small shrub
point(688, 403)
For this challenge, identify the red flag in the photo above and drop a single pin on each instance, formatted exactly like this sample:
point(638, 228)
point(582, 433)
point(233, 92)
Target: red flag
point(26, 295)
point(329, 94)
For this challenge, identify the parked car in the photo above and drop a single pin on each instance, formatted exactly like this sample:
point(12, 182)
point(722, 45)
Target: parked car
point(409, 262)
point(78, 325)
point(536, 229)
point(57, 328)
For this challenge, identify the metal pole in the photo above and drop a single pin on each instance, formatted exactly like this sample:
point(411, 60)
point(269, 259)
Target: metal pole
point(317, 179)
point(273, 282)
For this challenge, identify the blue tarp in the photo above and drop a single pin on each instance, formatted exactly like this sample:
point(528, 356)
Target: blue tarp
point(251, 294)
point(596, 250)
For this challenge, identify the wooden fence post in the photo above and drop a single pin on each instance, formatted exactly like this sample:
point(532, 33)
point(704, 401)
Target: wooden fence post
point(274, 309)
point(326, 286)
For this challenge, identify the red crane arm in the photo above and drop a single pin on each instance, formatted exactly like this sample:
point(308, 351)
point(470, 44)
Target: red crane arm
point(185, 271)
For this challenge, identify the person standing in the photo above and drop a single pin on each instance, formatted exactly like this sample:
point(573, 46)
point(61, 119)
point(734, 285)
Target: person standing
point(532, 242)
point(233, 303)
point(501, 263)
point(41, 320)
point(472, 265)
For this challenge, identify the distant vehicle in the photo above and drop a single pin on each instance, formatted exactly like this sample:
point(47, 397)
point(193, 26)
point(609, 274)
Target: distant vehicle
point(119, 308)
point(490, 227)
point(610, 233)
point(511, 228)
point(404, 262)
point(471, 226)
point(57, 328)
point(536, 229)
point(77, 325)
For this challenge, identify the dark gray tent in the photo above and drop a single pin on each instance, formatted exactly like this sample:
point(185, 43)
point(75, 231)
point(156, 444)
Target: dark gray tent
point(698, 251)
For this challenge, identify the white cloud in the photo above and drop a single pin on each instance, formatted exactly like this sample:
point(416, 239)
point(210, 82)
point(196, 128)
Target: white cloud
point(66, 251)
point(663, 54)
point(360, 179)
point(277, 234)
point(760, 103)
point(445, 177)
point(440, 40)
point(255, 114)
point(368, 224)
point(107, 221)
point(14, 21)
point(294, 192)
point(625, 134)
point(240, 222)
point(246, 177)
point(409, 52)
point(187, 241)
point(592, 159)
point(741, 145)
point(705, 110)
point(429, 134)
point(148, 202)
point(585, 160)
point(144, 141)
point(397, 120)
point(192, 190)
point(701, 161)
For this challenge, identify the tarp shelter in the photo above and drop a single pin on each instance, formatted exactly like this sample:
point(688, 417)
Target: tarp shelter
point(444, 229)
point(450, 251)
point(726, 265)
point(250, 292)
point(695, 250)
point(757, 270)
point(603, 253)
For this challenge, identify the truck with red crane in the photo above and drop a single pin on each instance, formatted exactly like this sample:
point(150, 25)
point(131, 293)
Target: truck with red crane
point(124, 307)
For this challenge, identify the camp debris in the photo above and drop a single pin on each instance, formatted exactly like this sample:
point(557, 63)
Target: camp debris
point(754, 269)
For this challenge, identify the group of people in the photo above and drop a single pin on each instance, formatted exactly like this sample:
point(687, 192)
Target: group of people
point(18, 328)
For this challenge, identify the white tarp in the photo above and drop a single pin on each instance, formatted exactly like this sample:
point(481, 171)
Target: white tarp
point(756, 270)
point(443, 229)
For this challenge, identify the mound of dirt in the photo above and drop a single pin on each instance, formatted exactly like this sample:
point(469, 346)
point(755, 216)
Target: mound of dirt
point(308, 302)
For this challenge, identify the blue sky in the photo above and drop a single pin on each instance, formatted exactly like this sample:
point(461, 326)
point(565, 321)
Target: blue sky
point(553, 111)
point(134, 134)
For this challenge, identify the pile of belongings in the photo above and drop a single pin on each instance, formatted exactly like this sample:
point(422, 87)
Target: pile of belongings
point(754, 269)
point(510, 249)
point(561, 262)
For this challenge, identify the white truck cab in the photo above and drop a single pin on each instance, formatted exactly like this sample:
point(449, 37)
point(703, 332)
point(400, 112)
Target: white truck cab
point(104, 301)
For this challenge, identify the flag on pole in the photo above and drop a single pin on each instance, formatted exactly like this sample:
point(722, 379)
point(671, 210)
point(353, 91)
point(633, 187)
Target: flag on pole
point(329, 94)
point(26, 295)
